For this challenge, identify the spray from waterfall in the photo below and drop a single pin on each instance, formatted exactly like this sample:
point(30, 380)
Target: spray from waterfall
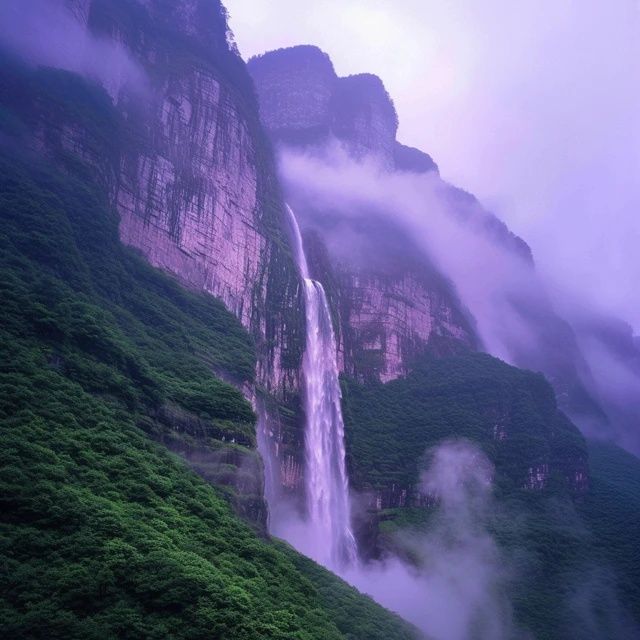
point(327, 485)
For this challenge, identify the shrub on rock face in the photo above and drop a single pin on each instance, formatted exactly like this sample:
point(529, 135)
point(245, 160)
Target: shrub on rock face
point(511, 413)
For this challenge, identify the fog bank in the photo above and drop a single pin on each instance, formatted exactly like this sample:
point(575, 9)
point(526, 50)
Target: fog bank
point(521, 315)
point(459, 589)
point(534, 106)
point(48, 33)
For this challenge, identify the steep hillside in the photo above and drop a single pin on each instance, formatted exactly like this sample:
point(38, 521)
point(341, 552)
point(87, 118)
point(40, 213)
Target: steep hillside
point(512, 413)
point(184, 162)
point(104, 532)
point(612, 509)
point(566, 527)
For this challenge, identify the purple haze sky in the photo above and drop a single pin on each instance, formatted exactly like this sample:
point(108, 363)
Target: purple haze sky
point(533, 105)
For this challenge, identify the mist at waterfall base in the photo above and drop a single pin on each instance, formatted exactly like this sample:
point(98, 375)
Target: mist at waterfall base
point(458, 589)
point(458, 586)
point(493, 282)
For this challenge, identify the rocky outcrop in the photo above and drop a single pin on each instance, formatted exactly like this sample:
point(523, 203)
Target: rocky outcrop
point(303, 101)
point(466, 207)
point(390, 303)
point(363, 116)
point(387, 320)
point(412, 160)
point(300, 85)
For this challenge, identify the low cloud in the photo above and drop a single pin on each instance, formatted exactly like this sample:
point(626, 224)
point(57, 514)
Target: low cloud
point(49, 33)
point(483, 272)
point(533, 105)
point(514, 307)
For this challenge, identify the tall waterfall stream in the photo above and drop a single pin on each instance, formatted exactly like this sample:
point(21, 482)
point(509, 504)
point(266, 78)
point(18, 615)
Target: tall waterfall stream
point(326, 481)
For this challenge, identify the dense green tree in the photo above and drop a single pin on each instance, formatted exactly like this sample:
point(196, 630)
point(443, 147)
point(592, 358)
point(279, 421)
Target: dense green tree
point(103, 532)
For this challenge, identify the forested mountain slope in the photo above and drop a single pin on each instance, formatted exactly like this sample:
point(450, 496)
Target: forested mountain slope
point(105, 533)
point(564, 513)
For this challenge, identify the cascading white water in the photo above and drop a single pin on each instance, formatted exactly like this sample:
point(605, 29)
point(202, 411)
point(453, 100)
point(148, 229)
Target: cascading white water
point(327, 485)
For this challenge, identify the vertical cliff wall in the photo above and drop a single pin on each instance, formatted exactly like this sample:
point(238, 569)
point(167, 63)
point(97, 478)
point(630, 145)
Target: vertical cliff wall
point(186, 164)
point(391, 305)
point(196, 189)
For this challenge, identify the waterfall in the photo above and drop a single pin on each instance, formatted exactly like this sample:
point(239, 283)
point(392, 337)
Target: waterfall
point(269, 459)
point(327, 484)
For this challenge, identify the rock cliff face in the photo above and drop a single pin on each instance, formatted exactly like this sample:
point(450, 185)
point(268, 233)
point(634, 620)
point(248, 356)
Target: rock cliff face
point(390, 304)
point(191, 174)
point(389, 301)
point(389, 319)
point(303, 101)
point(363, 115)
point(295, 92)
point(196, 191)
